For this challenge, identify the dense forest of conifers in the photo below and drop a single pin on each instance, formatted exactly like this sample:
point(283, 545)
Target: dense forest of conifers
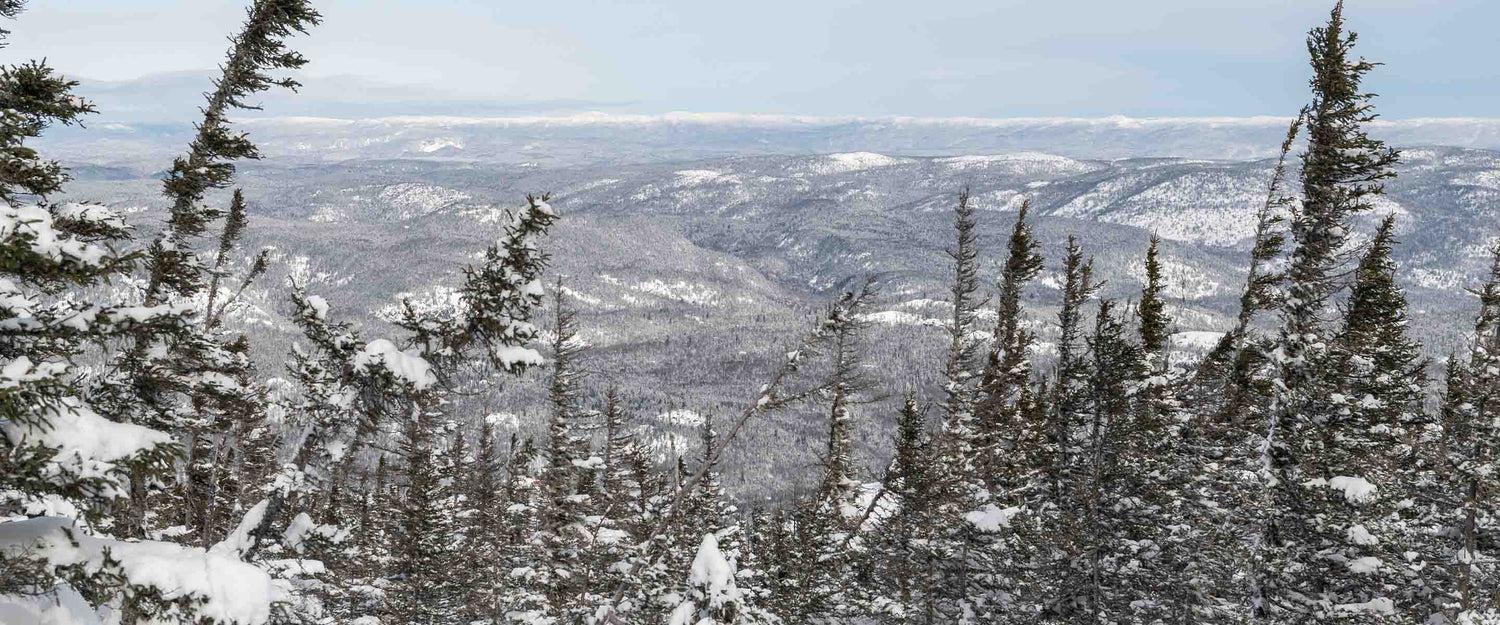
point(1305, 470)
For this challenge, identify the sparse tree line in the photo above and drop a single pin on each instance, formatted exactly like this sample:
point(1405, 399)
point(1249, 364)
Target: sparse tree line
point(1296, 474)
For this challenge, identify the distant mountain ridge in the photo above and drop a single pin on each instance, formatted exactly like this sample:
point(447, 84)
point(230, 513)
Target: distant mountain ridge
point(569, 139)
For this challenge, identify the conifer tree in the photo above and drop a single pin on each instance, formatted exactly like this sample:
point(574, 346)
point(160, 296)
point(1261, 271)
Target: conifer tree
point(1070, 390)
point(1008, 370)
point(1468, 558)
point(1385, 372)
point(824, 525)
point(482, 551)
point(1103, 495)
point(1319, 564)
point(959, 371)
point(965, 577)
point(66, 453)
point(174, 380)
point(1232, 375)
point(423, 586)
point(713, 596)
point(1152, 309)
point(557, 578)
point(901, 563)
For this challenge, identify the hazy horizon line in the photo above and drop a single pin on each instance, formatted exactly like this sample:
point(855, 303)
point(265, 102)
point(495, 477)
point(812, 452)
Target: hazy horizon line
point(773, 119)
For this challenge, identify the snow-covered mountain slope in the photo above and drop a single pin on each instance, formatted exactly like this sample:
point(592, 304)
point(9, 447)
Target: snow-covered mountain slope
point(690, 274)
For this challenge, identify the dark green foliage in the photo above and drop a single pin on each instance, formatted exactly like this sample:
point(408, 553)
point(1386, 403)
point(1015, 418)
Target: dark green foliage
point(1007, 370)
point(1155, 326)
point(33, 98)
point(424, 586)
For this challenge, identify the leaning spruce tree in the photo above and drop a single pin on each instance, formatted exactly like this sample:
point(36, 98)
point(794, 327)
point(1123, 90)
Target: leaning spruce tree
point(1007, 370)
point(73, 457)
point(175, 380)
point(1322, 522)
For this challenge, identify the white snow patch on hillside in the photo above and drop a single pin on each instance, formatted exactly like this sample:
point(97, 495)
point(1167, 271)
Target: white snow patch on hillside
point(1440, 279)
point(926, 303)
point(1382, 205)
point(439, 300)
point(581, 296)
point(1017, 163)
point(681, 417)
point(1183, 281)
point(1000, 200)
point(849, 162)
point(1098, 199)
point(662, 446)
point(1210, 207)
point(413, 199)
point(900, 318)
point(1196, 340)
point(432, 145)
point(680, 291)
point(1488, 179)
point(504, 420)
point(695, 177)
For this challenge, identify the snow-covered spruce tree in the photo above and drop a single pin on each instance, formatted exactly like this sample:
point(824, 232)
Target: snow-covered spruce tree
point(1465, 497)
point(424, 587)
point(1116, 529)
point(900, 565)
point(1224, 438)
point(350, 389)
point(481, 554)
point(1161, 492)
point(1154, 325)
point(1384, 371)
point(191, 382)
point(557, 578)
point(1232, 378)
point(1321, 529)
point(1383, 380)
point(826, 524)
point(713, 597)
point(1021, 453)
point(520, 522)
point(1051, 529)
point(1007, 370)
point(959, 431)
point(964, 567)
point(707, 511)
point(230, 426)
point(774, 395)
point(364, 575)
point(63, 463)
point(630, 479)
point(1070, 388)
point(620, 485)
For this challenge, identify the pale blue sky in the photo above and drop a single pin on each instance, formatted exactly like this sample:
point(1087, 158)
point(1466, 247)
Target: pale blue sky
point(991, 58)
